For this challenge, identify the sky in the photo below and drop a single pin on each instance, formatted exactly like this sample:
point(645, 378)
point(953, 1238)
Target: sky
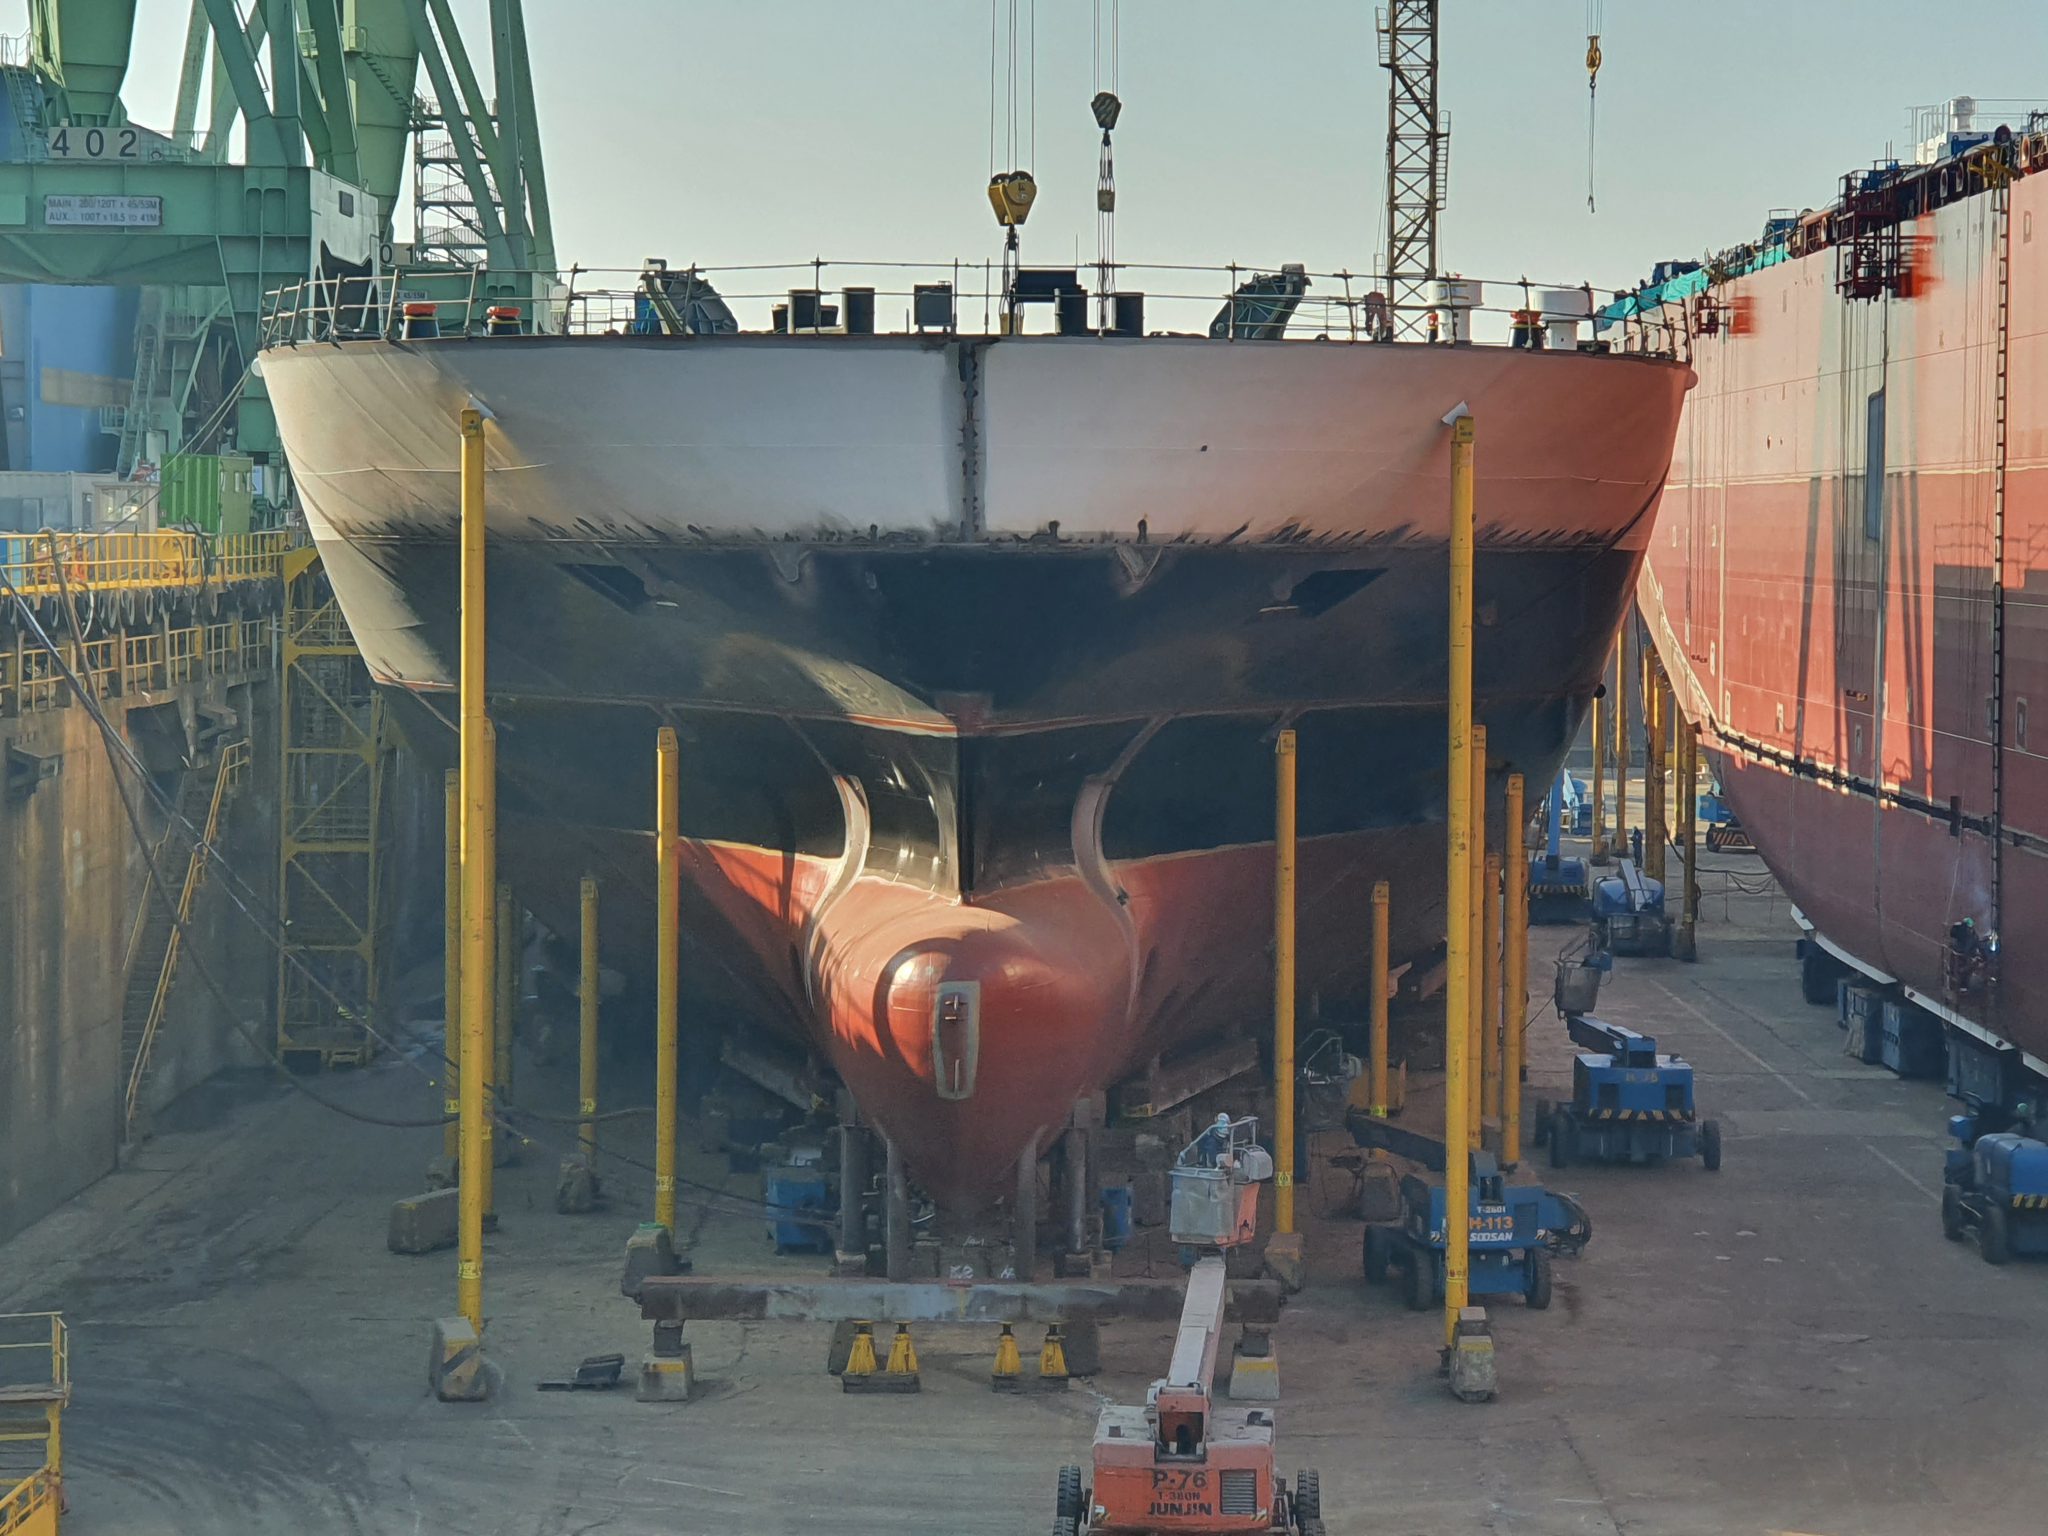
point(732, 131)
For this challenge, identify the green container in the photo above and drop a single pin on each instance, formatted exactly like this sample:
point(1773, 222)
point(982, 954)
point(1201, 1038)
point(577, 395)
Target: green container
point(208, 491)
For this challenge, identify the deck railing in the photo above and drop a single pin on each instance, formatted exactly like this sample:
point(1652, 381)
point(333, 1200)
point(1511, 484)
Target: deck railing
point(818, 298)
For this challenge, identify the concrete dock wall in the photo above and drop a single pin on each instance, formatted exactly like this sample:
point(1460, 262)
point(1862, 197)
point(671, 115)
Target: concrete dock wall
point(71, 881)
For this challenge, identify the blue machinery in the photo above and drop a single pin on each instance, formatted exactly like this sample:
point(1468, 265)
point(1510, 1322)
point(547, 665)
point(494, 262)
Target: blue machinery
point(1996, 1184)
point(1628, 912)
point(1557, 884)
point(1514, 1227)
point(1629, 1104)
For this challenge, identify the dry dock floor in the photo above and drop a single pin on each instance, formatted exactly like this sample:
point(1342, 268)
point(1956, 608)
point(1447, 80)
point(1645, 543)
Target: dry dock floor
point(1787, 1346)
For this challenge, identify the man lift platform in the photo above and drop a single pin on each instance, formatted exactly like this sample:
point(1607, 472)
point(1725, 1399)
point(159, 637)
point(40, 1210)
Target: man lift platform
point(1179, 1462)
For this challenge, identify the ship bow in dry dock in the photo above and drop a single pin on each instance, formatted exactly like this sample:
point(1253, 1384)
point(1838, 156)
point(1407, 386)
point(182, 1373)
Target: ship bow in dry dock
point(977, 648)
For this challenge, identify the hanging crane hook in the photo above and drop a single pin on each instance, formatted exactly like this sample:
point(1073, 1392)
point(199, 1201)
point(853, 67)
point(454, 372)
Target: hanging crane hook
point(1592, 90)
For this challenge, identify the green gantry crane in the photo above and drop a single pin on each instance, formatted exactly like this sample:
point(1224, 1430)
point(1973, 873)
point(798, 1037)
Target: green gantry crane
point(325, 95)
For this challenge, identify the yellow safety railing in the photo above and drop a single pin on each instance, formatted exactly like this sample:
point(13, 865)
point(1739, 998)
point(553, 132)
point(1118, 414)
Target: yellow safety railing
point(234, 758)
point(137, 661)
point(43, 565)
point(30, 1507)
point(35, 1385)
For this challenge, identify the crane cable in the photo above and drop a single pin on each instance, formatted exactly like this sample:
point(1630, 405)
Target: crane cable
point(1593, 21)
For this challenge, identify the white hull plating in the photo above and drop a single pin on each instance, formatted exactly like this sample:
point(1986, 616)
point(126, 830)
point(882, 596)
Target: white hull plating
point(626, 439)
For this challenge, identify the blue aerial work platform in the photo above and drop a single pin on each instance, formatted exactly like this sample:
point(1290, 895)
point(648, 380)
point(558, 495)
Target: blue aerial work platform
point(1629, 1104)
point(1628, 912)
point(1514, 1228)
point(1996, 1183)
point(1557, 883)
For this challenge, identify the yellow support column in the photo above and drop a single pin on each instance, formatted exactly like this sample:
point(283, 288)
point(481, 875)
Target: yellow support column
point(1599, 855)
point(1382, 901)
point(1622, 683)
point(1490, 1009)
point(1655, 823)
point(457, 1364)
point(1283, 982)
point(586, 1018)
point(668, 852)
point(451, 965)
point(1457, 878)
point(1475, 1012)
point(1515, 1002)
point(1685, 939)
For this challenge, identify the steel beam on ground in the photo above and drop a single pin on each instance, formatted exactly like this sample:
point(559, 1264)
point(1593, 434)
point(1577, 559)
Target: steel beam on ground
point(1170, 1084)
point(791, 1082)
point(705, 1298)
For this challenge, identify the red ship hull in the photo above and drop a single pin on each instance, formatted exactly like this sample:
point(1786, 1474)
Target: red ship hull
point(977, 651)
point(1846, 584)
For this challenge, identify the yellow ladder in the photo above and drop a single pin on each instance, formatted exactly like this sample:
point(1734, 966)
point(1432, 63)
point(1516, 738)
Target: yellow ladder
point(144, 1019)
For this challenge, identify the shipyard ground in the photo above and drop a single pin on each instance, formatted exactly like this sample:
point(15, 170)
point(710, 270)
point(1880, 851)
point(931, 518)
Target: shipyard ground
point(1787, 1346)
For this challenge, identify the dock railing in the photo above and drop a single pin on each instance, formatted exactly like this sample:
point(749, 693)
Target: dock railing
point(1232, 302)
point(35, 1386)
point(47, 564)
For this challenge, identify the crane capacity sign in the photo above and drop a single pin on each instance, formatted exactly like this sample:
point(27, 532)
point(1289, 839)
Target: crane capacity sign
point(64, 209)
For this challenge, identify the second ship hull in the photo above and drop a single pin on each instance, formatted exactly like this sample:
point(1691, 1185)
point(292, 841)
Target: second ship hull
point(977, 651)
point(1845, 586)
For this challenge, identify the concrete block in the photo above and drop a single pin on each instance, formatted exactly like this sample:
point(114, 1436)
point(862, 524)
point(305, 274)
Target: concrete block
point(576, 1187)
point(649, 1251)
point(843, 1333)
point(443, 1172)
point(425, 1223)
point(1254, 1368)
point(924, 1259)
point(667, 1378)
point(1470, 1366)
point(1083, 1339)
point(455, 1369)
point(849, 1266)
point(1285, 1261)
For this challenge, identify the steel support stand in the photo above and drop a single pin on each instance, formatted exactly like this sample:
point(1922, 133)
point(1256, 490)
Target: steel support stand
point(1283, 1249)
point(1623, 681)
point(1382, 902)
point(1283, 980)
point(668, 962)
point(1490, 1009)
point(853, 1188)
point(457, 1356)
point(586, 1020)
point(1599, 855)
point(1475, 910)
point(895, 1214)
point(1457, 874)
point(1515, 1004)
point(1024, 1228)
point(1685, 941)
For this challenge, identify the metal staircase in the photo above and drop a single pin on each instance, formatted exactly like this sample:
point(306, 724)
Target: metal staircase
point(154, 944)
